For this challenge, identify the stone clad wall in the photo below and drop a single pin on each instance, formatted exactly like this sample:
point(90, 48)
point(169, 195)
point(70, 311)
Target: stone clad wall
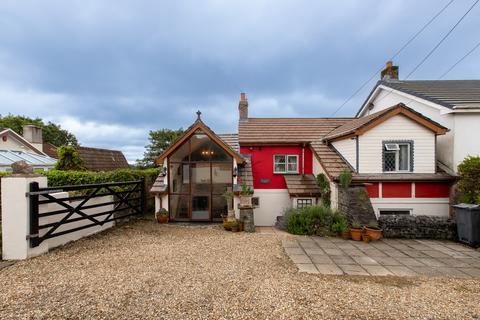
point(418, 227)
point(354, 201)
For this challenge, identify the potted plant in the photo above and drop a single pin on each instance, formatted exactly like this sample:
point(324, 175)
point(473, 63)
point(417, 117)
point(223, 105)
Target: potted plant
point(162, 215)
point(366, 238)
point(246, 196)
point(356, 231)
point(234, 226)
point(373, 230)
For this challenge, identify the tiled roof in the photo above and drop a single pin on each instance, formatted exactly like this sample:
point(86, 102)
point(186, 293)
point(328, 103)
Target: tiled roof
point(448, 93)
point(286, 130)
point(96, 159)
point(159, 185)
point(330, 160)
point(302, 185)
point(231, 139)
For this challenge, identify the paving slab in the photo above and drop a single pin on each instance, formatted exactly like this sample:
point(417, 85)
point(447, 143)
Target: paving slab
point(474, 272)
point(435, 254)
point(300, 258)
point(414, 253)
point(307, 268)
point(431, 262)
point(402, 271)
point(427, 271)
point(388, 261)
point(294, 250)
point(329, 269)
point(373, 252)
point(354, 270)
point(411, 262)
point(308, 244)
point(354, 252)
point(333, 252)
point(321, 259)
point(453, 272)
point(342, 260)
point(394, 253)
point(377, 270)
point(314, 251)
point(365, 261)
point(290, 244)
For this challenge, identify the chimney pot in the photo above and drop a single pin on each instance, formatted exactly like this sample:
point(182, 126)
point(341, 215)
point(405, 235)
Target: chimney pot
point(243, 96)
point(390, 72)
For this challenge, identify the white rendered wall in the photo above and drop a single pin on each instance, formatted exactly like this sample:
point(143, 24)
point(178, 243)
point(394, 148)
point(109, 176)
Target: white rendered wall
point(467, 137)
point(348, 149)
point(418, 206)
point(14, 145)
point(398, 127)
point(273, 203)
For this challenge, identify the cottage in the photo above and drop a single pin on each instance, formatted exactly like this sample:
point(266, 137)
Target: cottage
point(391, 155)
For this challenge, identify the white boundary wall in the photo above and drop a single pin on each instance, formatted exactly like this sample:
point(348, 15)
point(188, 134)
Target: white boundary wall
point(16, 218)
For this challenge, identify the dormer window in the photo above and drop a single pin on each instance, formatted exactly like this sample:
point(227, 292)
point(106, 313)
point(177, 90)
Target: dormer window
point(398, 156)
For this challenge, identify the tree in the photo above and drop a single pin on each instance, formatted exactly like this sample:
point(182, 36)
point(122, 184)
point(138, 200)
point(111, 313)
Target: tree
point(68, 159)
point(160, 140)
point(469, 183)
point(52, 133)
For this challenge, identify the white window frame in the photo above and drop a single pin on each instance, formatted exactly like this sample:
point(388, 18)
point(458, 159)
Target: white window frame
point(305, 203)
point(395, 147)
point(286, 157)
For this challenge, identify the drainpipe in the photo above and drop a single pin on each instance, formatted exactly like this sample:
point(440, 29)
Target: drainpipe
point(303, 159)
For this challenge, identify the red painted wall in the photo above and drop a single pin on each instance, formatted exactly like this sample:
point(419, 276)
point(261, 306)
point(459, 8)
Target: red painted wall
point(372, 190)
point(396, 190)
point(432, 190)
point(262, 164)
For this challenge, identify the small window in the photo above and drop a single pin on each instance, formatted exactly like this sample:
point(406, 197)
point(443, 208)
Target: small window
point(397, 157)
point(393, 212)
point(283, 163)
point(255, 202)
point(303, 203)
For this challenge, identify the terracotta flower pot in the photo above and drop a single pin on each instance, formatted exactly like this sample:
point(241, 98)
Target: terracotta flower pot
point(345, 235)
point(162, 218)
point(374, 234)
point(366, 238)
point(356, 234)
point(245, 201)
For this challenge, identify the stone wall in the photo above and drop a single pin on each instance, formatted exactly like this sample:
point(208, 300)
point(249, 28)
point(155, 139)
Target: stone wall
point(418, 227)
point(354, 201)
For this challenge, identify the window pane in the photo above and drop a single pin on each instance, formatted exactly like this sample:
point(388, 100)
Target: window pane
point(201, 177)
point(280, 159)
point(403, 157)
point(292, 164)
point(200, 207)
point(280, 167)
point(179, 178)
point(204, 149)
point(222, 177)
point(181, 154)
point(219, 206)
point(389, 158)
point(179, 207)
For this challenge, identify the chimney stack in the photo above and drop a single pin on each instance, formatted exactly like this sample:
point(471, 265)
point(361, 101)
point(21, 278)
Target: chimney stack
point(390, 72)
point(33, 134)
point(243, 107)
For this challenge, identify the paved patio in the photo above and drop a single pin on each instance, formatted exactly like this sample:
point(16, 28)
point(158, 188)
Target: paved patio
point(396, 257)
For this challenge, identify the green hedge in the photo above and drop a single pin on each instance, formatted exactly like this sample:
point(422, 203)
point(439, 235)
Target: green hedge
point(315, 220)
point(63, 178)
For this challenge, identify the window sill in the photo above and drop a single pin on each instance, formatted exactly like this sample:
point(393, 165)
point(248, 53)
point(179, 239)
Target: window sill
point(286, 173)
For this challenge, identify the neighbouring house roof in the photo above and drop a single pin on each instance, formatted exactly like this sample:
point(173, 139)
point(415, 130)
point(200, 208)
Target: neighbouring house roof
point(360, 125)
point(159, 186)
point(22, 140)
point(452, 94)
point(7, 157)
point(231, 139)
point(50, 150)
point(302, 185)
point(198, 124)
point(96, 159)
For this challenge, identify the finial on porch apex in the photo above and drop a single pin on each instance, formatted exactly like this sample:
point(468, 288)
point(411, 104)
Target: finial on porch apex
point(199, 113)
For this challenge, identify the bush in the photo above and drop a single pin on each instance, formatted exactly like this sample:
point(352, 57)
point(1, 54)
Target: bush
point(68, 159)
point(324, 186)
point(469, 184)
point(314, 220)
point(345, 178)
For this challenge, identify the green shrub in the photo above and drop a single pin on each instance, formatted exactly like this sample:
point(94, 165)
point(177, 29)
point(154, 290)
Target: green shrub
point(324, 186)
point(314, 220)
point(340, 222)
point(345, 178)
point(469, 183)
point(68, 159)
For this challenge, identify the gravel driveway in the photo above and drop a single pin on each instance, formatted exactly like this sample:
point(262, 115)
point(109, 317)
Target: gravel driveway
point(147, 271)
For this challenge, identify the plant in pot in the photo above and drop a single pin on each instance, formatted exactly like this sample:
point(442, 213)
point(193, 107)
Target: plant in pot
point(373, 230)
point(234, 226)
point(162, 215)
point(246, 196)
point(356, 231)
point(340, 225)
point(366, 238)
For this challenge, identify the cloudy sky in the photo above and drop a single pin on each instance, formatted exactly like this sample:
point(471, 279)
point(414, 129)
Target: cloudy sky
point(110, 71)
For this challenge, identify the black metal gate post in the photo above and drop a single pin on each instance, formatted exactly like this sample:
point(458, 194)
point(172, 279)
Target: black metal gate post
point(34, 215)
